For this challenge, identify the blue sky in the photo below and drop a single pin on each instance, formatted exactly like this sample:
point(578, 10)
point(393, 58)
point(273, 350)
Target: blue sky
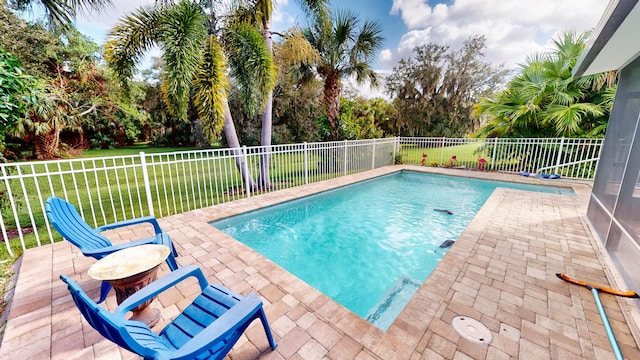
point(514, 29)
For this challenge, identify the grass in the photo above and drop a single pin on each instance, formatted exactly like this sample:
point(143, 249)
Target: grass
point(104, 196)
point(466, 154)
point(6, 276)
point(132, 150)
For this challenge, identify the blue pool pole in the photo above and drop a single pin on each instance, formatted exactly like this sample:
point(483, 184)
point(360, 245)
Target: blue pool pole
point(607, 326)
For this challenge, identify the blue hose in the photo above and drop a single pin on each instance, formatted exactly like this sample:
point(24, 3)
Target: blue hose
point(607, 326)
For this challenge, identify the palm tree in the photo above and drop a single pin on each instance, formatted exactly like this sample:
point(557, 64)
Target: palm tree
point(50, 113)
point(346, 48)
point(545, 100)
point(258, 13)
point(194, 55)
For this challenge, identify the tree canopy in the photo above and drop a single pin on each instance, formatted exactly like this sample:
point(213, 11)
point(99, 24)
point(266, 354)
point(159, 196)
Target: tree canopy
point(70, 95)
point(13, 88)
point(434, 91)
point(346, 46)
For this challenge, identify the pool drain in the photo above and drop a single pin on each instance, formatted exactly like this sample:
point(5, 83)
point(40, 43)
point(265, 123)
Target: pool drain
point(472, 330)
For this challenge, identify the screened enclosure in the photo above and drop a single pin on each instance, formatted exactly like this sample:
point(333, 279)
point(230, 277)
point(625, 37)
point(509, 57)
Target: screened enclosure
point(614, 209)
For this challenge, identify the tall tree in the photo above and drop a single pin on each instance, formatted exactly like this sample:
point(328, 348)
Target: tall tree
point(347, 47)
point(434, 90)
point(543, 99)
point(193, 48)
point(259, 13)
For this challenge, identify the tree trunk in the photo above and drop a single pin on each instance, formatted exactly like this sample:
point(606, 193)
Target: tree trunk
point(267, 121)
point(332, 102)
point(47, 145)
point(232, 139)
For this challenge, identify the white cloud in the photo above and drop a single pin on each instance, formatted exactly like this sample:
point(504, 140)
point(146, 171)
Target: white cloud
point(514, 29)
point(415, 13)
point(385, 56)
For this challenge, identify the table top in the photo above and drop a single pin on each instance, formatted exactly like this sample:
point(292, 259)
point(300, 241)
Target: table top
point(128, 262)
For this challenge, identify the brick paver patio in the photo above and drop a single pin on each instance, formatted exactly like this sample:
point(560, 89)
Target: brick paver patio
point(501, 271)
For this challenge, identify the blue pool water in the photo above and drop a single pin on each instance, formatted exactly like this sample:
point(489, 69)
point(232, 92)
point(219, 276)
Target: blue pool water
point(369, 245)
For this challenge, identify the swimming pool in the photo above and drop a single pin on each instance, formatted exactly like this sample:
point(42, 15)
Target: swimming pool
point(368, 245)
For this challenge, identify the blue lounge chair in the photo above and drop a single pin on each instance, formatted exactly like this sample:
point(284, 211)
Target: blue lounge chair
point(206, 329)
point(67, 221)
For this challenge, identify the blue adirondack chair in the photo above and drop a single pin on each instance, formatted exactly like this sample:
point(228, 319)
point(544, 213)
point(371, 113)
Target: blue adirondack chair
point(206, 329)
point(67, 221)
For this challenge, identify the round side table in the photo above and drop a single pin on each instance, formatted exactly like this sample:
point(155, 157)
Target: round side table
point(129, 270)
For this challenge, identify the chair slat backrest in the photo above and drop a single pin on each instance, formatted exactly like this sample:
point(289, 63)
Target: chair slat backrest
point(95, 315)
point(67, 221)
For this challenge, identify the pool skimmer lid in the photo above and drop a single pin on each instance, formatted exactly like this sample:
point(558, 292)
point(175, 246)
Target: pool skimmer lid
point(472, 330)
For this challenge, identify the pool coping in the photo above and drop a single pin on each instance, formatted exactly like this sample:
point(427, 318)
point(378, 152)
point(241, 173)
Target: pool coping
point(473, 279)
point(403, 335)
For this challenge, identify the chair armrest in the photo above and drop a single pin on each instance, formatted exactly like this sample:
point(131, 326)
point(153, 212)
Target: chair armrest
point(145, 219)
point(238, 316)
point(160, 285)
point(99, 253)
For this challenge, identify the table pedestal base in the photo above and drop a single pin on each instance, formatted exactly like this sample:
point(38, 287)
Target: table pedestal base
point(148, 315)
point(128, 286)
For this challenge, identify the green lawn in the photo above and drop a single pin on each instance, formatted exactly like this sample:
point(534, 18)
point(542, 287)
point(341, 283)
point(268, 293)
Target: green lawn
point(466, 155)
point(132, 150)
point(186, 182)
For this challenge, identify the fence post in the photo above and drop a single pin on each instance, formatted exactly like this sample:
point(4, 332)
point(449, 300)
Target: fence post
point(395, 149)
point(559, 156)
point(345, 157)
point(442, 151)
point(147, 183)
point(306, 163)
point(245, 171)
point(493, 155)
point(13, 208)
point(373, 155)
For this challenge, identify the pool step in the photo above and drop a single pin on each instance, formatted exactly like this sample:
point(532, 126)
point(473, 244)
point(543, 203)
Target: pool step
point(393, 301)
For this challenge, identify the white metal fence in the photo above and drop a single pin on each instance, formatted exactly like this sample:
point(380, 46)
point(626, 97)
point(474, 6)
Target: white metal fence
point(568, 157)
point(116, 188)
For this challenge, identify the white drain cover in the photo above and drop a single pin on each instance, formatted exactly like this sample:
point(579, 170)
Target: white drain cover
point(472, 330)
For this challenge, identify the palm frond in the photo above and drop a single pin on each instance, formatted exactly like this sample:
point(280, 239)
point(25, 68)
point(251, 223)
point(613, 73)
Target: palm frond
point(90, 5)
point(127, 42)
point(608, 97)
point(369, 39)
point(210, 89)
point(251, 65)
point(316, 9)
point(183, 30)
point(320, 14)
point(344, 28)
point(567, 118)
point(363, 72)
point(60, 14)
point(245, 11)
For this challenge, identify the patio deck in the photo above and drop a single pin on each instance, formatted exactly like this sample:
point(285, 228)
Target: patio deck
point(501, 271)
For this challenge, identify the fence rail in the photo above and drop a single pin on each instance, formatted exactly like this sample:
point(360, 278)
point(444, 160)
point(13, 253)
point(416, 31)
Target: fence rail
point(117, 188)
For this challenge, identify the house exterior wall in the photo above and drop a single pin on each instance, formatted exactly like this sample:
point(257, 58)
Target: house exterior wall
point(614, 209)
